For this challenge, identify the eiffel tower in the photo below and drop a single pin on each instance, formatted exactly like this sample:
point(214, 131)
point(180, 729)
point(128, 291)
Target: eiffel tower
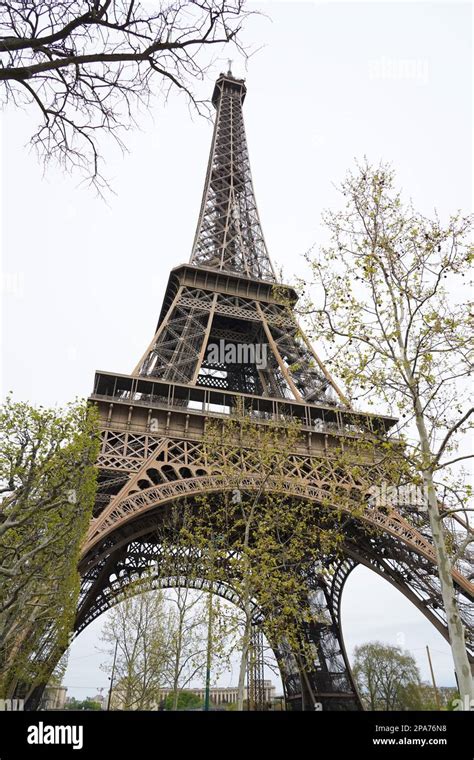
point(152, 423)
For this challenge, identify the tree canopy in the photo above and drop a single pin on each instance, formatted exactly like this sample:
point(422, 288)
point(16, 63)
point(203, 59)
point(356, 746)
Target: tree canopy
point(47, 490)
point(392, 306)
point(385, 676)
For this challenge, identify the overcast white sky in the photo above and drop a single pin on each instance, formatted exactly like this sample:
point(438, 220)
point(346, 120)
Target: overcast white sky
point(83, 280)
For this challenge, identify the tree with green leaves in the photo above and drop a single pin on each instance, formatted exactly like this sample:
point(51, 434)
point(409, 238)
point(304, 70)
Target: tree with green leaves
point(385, 676)
point(161, 642)
point(422, 696)
point(82, 704)
point(251, 536)
point(47, 490)
point(186, 642)
point(136, 630)
point(57, 676)
point(186, 700)
point(391, 305)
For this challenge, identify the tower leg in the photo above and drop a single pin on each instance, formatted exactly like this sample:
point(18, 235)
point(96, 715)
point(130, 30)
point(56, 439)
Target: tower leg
point(322, 679)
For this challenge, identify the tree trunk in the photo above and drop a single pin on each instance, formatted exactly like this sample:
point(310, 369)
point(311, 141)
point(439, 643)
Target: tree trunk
point(247, 611)
point(243, 662)
point(177, 663)
point(454, 621)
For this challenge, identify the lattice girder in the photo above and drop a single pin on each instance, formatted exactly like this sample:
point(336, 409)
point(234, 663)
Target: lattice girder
point(178, 468)
point(198, 319)
point(229, 234)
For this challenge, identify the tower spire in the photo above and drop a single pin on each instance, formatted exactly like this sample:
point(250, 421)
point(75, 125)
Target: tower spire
point(229, 235)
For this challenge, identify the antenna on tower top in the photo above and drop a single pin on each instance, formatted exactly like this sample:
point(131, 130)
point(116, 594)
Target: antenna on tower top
point(229, 73)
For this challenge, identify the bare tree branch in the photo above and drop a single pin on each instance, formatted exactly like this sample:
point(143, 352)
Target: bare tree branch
point(90, 66)
point(451, 432)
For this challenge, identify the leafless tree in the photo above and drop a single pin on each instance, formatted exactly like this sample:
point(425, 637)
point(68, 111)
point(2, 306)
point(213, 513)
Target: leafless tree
point(87, 65)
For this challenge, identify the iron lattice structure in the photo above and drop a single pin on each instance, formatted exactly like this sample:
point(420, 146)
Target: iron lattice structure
point(256, 671)
point(153, 421)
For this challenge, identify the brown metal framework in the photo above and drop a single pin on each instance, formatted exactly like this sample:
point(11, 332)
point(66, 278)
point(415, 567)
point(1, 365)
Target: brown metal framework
point(256, 671)
point(153, 422)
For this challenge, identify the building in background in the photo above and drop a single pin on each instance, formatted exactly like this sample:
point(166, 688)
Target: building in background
point(220, 696)
point(225, 695)
point(54, 698)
